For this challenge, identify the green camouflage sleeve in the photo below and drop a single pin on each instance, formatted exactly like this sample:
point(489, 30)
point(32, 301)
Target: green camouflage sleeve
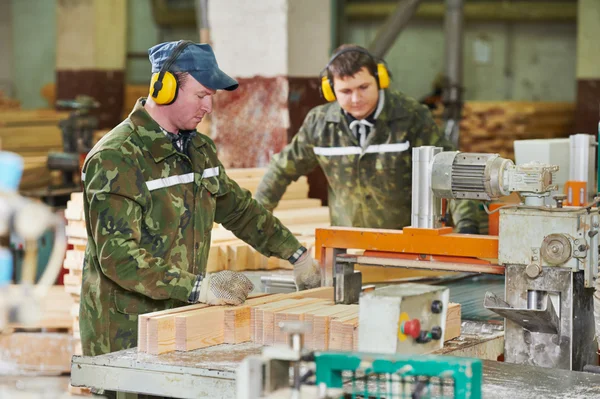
point(251, 222)
point(113, 189)
point(465, 213)
point(295, 160)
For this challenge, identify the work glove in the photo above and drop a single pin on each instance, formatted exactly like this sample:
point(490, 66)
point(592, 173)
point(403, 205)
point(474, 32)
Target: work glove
point(307, 273)
point(225, 288)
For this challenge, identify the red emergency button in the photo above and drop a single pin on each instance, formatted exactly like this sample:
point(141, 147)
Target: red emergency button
point(412, 328)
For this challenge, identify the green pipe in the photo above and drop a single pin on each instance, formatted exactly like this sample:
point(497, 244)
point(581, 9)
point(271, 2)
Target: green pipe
point(522, 11)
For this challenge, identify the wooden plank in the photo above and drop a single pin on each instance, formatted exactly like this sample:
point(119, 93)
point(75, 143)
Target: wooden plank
point(237, 327)
point(453, 321)
point(157, 336)
point(339, 336)
point(257, 320)
point(308, 215)
point(294, 314)
point(268, 325)
point(40, 353)
point(55, 309)
point(206, 327)
point(316, 335)
point(156, 330)
point(321, 325)
point(298, 204)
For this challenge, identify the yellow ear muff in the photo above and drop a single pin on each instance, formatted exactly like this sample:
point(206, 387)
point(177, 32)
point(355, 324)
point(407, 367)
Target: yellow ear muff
point(383, 75)
point(327, 90)
point(163, 92)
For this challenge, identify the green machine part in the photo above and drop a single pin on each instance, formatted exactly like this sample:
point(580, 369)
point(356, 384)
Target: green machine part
point(400, 376)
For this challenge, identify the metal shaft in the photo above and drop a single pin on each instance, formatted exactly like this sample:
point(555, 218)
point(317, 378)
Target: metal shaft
point(297, 342)
point(452, 98)
point(534, 299)
point(387, 35)
point(426, 207)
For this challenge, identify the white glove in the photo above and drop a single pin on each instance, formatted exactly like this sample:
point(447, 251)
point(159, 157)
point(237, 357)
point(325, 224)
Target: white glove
point(225, 288)
point(307, 273)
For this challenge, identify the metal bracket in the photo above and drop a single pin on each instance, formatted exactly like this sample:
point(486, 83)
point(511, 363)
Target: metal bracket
point(347, 283)
point(591, 266)
point(544, 320)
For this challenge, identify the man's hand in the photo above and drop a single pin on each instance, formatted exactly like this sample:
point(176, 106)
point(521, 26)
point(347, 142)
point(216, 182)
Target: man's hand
point(225, 288)
point(307, 273)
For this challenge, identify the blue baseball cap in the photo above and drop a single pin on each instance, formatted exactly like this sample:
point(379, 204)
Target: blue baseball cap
point(196, 59)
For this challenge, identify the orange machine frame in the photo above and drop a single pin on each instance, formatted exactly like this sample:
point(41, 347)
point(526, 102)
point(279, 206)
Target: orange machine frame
point(436, 248)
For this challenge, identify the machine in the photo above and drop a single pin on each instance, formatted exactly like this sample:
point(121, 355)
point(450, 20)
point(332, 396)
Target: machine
point(548, 254)
point(336, 375)
point(29, 220)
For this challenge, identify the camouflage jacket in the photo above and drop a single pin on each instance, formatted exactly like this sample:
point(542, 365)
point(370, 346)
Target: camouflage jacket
point(368, 187)
point(149, 213)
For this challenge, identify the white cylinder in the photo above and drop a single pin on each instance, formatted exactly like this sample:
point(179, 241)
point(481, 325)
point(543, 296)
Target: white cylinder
point(582, 146)
point(425, 207)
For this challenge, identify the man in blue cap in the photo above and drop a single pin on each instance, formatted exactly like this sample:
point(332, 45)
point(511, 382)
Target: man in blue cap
point(153, 188)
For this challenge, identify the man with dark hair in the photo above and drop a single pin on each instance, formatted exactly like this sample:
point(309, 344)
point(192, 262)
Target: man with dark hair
point(362, 140)
point(153, 188)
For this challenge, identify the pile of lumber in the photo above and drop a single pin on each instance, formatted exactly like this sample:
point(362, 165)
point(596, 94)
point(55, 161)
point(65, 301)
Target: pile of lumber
point(300, 214)
point(330, 327)
point(32, 134)
point(492, 127)
point(77, 240)
point(46, 347)
point(8, 103)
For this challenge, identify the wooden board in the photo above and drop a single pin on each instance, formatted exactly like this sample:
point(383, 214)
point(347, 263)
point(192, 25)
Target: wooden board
point(268, 318)
point(317, 319)
point(31, 117)
point(156, 331)
point(343, 333)
point(453, 321)
point(294, 314)
point(238, 319)
point(42, 353)
point(55, 308)
point(206, 327)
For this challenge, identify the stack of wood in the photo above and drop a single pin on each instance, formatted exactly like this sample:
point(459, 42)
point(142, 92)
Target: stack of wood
point(32, 134)
point(132, 94)
point(46, 347)
point(333, 327)
point(492, 127)
point(8, 103)
point(77, 239)
point(300, 214)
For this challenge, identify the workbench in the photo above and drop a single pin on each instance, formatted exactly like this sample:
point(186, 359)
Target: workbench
point(210, 372)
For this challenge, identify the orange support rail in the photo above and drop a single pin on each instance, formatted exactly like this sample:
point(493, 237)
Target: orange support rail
point(440, 242)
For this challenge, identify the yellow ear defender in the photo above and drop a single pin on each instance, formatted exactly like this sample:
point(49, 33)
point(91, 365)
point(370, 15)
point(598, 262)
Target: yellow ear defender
point(163, 85)
point(382, 75)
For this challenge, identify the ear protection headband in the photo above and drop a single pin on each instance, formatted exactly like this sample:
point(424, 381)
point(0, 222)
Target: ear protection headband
point(382, 76)
point(163, 85)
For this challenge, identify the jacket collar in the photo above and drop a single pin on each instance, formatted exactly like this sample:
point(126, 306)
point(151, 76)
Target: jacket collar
point(389, 112)
point(151, 134)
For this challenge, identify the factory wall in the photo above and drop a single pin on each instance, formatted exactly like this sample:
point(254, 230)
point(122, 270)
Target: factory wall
point(501, 61)
point(525, 62)
point(33, 49)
